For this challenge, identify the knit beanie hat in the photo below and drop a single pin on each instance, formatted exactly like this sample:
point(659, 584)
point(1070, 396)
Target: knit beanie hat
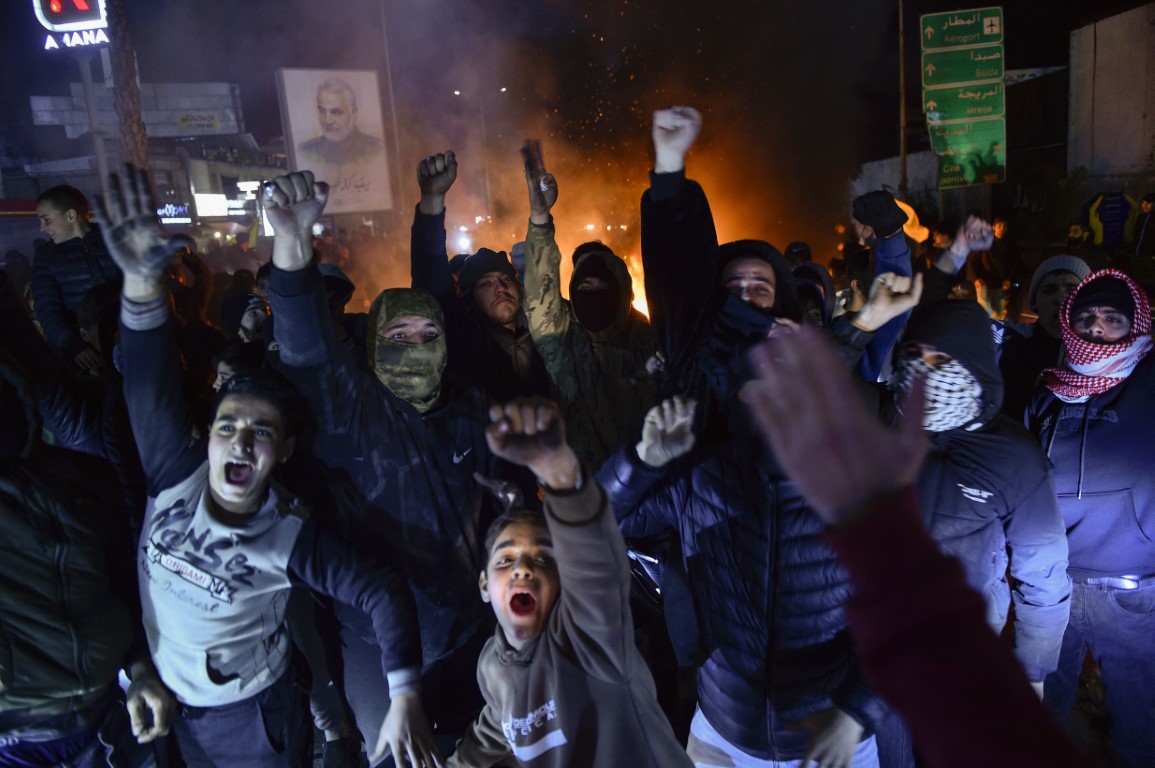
point(1063, 263)
point(482, 263)
point(1105, 291)
point(233, 309)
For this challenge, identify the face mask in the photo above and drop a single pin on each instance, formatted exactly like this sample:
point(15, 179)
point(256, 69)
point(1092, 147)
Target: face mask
point(596, 310)
point(410, 371)
point(953, 394)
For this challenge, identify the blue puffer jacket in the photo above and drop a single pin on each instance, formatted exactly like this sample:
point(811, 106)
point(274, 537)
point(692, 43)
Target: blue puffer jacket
point(61, 274)
point(767, 590)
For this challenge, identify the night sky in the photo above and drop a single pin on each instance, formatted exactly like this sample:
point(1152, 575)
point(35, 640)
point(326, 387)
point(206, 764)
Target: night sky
point(795, 95)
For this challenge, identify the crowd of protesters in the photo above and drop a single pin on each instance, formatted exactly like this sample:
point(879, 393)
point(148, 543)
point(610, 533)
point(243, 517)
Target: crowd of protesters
point(491, 524)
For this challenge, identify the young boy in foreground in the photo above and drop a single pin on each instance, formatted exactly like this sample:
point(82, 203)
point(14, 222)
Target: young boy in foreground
point(563, 683)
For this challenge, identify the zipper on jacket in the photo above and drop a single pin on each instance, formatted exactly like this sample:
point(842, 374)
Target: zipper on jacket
point(79, 649)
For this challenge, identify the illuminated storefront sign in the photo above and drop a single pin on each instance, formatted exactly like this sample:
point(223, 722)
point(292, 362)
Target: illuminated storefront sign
point(72, 23)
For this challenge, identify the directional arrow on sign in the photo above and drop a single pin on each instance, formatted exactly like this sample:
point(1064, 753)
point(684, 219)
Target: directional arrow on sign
point(929, 32)
point(930, 70)
point(932, 105)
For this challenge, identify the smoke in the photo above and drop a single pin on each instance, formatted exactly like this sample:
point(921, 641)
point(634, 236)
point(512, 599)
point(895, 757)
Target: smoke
point(780, 86)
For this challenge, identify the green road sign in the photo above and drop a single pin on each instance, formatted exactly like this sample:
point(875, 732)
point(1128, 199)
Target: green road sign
point(964, 102)
point(968, 136)
point(962, 65)
point(957, 29)
point(975, 168)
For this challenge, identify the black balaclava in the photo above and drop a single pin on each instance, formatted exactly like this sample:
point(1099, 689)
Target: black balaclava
point(596, 310)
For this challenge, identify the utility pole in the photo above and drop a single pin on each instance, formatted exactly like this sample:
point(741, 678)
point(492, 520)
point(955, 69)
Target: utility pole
point(133, 134)
point(395, 165)
point(901, 104)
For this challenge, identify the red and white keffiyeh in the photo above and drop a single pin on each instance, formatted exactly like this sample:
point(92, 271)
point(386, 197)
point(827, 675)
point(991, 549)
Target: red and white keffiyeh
point(1092, 369)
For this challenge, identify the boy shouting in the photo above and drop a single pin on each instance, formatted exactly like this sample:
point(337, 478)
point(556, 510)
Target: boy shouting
point(563, 683)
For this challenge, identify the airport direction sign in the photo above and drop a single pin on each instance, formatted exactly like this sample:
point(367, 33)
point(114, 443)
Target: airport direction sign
point(958, 29)
point(962, 65)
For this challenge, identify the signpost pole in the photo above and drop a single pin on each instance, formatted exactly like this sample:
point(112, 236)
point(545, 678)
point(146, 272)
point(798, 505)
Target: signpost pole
point(85, 61)
point(901, 105)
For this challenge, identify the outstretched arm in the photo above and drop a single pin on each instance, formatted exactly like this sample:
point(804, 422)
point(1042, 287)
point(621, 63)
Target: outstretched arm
point(171, 445)
point(544, 307)
point(428, 259)
point(593, 611)
point(679, 243)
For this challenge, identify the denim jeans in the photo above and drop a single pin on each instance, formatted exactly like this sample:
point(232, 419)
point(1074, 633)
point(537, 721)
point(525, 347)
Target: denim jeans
point(708, 749)
point(268, 730)
point(1118, 627)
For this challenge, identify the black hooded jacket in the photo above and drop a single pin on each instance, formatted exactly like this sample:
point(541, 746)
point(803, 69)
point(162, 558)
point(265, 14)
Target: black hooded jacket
point(986, 489)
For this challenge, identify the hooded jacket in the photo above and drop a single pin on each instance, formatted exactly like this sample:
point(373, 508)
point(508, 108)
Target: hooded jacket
point(504, 364)
point(600, 376)
point(985, 489)
point(1101, 453)
point(68, 606)
point(61, 274)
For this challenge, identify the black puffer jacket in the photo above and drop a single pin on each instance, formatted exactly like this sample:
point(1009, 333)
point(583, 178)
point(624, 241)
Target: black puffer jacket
point(767, 590)
point(67, 592)
point(61, 274)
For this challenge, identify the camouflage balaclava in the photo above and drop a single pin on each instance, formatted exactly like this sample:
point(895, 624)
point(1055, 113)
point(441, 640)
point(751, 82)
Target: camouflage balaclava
point(410, 371)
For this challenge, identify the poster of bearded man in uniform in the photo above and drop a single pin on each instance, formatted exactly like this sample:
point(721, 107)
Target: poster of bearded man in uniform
point(333, 127)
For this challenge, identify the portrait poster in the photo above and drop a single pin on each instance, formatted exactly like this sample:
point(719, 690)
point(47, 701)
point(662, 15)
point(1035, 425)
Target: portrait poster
point(334, 128)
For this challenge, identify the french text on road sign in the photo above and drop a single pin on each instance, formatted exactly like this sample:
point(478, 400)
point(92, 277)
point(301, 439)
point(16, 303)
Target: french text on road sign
point(978, 168)
point(977, 26)
point(964, 102)
point(962, 65)
point(70, 15)
point(968, 136)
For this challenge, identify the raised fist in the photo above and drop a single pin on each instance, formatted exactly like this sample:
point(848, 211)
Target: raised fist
point(674, 132)
point(436, 173)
